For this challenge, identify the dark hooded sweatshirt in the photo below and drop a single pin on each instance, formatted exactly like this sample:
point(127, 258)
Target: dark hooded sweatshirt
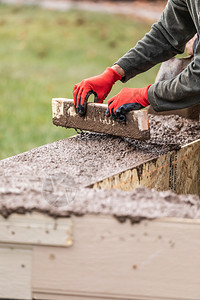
point(177, 25)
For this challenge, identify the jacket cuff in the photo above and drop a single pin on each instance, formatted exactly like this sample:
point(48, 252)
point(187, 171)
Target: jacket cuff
point(152, 99)
point(124, 66)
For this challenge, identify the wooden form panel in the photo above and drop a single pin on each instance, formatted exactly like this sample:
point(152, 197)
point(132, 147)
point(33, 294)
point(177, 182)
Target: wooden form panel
point(58, 296)
point(178, 171)
point(64, 114)
point(35, 229)
point(153, 260)
point(15, 273)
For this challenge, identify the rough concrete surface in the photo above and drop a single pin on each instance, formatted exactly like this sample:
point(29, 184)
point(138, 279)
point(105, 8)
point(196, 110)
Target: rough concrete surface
point(89, 157)
point(48, 178)
point(135, 205)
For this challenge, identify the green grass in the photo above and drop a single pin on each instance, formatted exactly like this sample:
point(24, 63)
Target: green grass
point(43, 54)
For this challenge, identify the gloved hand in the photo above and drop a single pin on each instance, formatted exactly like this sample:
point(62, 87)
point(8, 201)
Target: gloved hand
point(99, 85)
point(127, 100)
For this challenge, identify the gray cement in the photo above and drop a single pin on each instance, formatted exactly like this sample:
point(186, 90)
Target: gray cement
point(52, 178)
point(135, 205)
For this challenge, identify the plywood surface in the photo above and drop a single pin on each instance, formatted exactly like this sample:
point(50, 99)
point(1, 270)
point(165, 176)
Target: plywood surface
point(35, 229)
point(15, 273)
point(178, 171)
point(152, 260)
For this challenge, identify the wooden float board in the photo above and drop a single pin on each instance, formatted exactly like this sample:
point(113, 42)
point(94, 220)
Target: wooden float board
point(95, 120)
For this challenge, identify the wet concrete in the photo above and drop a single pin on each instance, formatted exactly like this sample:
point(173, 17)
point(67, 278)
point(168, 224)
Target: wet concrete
point(135, 205)
point(91, 157)
point(38, 179)
point(173, 130)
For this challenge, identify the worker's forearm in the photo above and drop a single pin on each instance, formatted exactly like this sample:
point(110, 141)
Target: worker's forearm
point(166, 39)
point(119, 70)
point(179, 92)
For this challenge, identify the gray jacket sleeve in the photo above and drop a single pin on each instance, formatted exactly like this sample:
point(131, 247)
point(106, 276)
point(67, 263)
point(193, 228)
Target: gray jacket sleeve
point(166, 39)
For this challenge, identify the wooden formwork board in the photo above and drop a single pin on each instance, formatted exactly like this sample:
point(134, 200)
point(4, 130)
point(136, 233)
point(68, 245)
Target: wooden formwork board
point(34, 229)
point(18, 236)
point(152, 260)
point(15, 272)
point(178, 171)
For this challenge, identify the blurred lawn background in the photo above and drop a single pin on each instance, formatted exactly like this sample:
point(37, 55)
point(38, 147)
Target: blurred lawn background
point(43, 54)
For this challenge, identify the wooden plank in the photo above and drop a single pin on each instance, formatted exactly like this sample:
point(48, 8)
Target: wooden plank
point(64, 114)
point(153, 260)
point(15, 273)
point(60, 296)
point(178, 171)
point(36, 229)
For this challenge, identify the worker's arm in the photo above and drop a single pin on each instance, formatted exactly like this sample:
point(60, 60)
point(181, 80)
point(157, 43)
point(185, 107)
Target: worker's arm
point(166, 39)
point(179, 92)
point(192, 44)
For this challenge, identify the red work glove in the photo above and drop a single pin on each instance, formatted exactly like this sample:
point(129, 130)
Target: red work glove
point(99, 85)
point(127, 100)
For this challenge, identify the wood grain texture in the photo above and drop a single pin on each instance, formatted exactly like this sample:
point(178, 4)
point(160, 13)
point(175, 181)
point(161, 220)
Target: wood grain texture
point(64, 114)
point(153, 260)
point(178, 171)
point(35, 229)
point(15, 273)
